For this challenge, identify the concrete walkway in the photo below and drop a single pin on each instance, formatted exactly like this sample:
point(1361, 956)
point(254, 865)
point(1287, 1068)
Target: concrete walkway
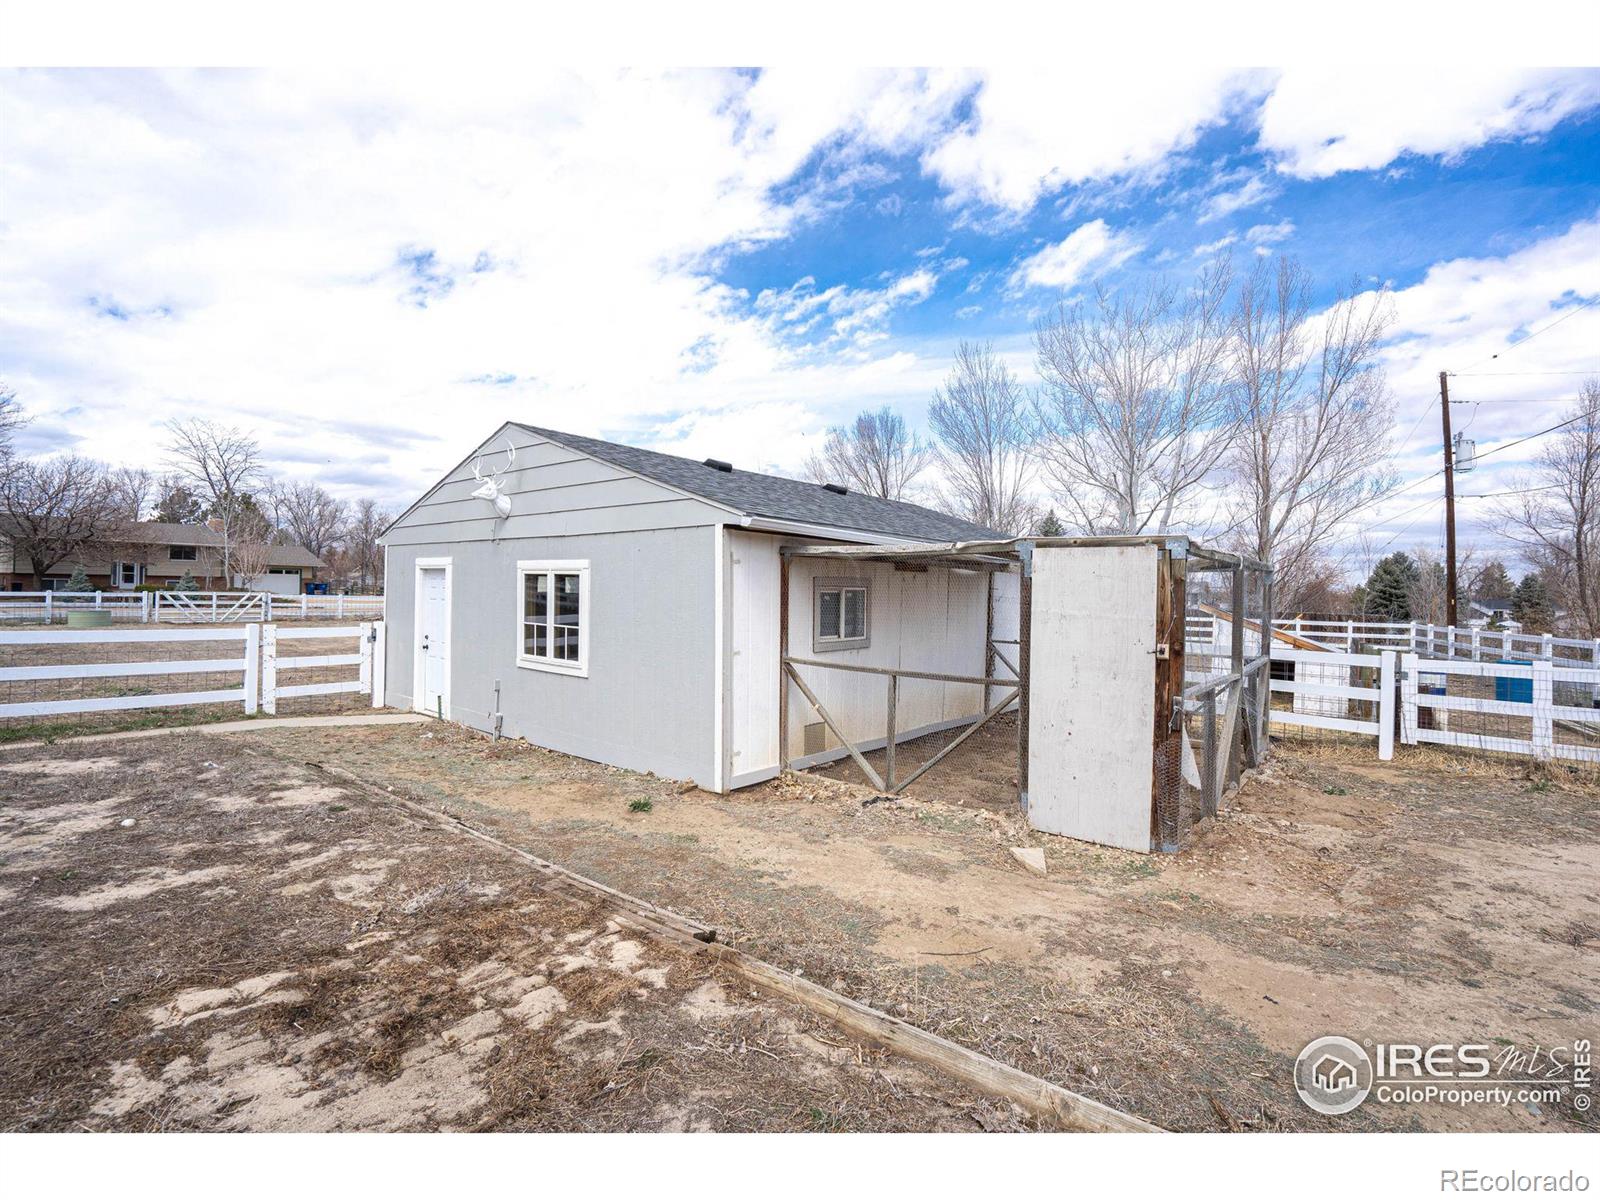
point(260, 725)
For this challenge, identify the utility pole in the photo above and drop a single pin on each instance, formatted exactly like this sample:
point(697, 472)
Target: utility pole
point(1449, 505)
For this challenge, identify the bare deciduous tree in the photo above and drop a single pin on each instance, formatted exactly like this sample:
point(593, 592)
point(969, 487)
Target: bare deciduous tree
point(220, 463)
point(876, 455)
point(1313, 416)
point(135, 490)
point(58, 510)
point(979, 417)
point(1555, 519)
point(1134, 412)
point(251, 550)
point(363, 556)
point(308, 515)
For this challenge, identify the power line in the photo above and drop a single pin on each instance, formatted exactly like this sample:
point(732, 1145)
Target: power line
point(1583, 416)
point(1522, 400)
point(1513, 374)
point(1545, 329)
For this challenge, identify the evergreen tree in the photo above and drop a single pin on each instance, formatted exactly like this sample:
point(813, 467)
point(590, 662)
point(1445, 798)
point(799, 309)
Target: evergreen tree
point(79, 581)
point(1530, 605)
point(187, 583)
point(1050, 526)
point(1492, 583)
point(1389, 588)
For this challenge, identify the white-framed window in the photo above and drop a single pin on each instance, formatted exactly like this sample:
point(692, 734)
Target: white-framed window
point(553, 615)
point(840, 614)
point(127, 574)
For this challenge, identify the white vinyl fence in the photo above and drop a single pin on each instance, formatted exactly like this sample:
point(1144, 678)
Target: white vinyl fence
point(1433, 641)
point(113, 665)
point(190, 608)
point(1540, 709)
point(1350, 693)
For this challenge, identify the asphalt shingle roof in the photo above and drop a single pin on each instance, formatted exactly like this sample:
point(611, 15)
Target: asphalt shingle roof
point(772, 496)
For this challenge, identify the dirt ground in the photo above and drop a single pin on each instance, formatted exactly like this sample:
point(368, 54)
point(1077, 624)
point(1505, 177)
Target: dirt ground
point(980, 773)
point(1437, 898)
point(236, 943)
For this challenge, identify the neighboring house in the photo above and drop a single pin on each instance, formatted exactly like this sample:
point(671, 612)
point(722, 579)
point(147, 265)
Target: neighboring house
point(159, 553)
point(627, 609)
point(1496, 612)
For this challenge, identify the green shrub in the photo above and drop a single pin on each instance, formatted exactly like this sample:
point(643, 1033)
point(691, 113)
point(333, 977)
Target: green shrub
point(640, 806)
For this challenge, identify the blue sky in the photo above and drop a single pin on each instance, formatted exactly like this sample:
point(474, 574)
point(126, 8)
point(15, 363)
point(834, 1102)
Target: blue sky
point(372, 270)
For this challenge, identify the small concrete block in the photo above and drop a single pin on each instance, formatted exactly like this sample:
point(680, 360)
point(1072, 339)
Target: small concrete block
point(1031, 857)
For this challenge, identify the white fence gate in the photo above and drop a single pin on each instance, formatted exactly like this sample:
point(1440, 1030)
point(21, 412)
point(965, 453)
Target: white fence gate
point(250, 651)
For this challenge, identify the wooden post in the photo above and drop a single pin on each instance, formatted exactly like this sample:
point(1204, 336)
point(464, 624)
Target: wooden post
point(888, 745)
point(988, 635)
point(1165, 747)
point(1208, 771)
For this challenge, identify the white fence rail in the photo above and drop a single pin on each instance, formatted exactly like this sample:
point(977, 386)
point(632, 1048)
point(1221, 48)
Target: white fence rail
point(368, 659)
point(250, 651)
point(147, 608)
point(1324, 688)
point(1509, 708)
point(1418, 637)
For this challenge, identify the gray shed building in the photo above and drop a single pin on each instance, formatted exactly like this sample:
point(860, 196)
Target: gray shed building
point(624, 606)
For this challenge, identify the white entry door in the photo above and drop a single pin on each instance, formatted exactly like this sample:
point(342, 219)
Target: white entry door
point(432, 689)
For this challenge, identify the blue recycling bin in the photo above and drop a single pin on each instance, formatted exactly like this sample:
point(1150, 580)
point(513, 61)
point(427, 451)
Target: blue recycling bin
point(1514, 691)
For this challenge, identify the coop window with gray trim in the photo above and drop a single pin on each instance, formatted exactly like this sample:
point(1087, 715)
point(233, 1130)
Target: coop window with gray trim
point(553, 629)
point(840, 615)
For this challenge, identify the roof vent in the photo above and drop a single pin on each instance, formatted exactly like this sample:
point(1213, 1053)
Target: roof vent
point(716, 464)
point(838, 489)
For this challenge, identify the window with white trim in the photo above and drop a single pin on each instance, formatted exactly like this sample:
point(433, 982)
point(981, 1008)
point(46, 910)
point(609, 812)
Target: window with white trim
point(553, 608)
point(839, 610)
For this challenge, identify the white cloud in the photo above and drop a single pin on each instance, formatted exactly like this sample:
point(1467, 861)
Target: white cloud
point(1322, 121)
point(269, 239)
point(856, 316)
point(1091, 247)
point(1034, 131)
point(1268, 236)
point(1253, 191)
point(1458, 318)
point(1222, 243)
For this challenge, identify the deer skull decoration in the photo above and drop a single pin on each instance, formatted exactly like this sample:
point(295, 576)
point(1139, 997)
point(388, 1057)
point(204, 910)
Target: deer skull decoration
point(489, 489)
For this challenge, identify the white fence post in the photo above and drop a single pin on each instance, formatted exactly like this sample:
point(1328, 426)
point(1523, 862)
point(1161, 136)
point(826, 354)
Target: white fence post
point(1386, 685)
point(366, 656)
point(1544, 739)
point(49, 608)
point(252, 668)
point(380, 675)
point(339, 608)
point(98, 603)
point(269, 669)
point(1547, 647)
point(1408, 699)
point(144, 608)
